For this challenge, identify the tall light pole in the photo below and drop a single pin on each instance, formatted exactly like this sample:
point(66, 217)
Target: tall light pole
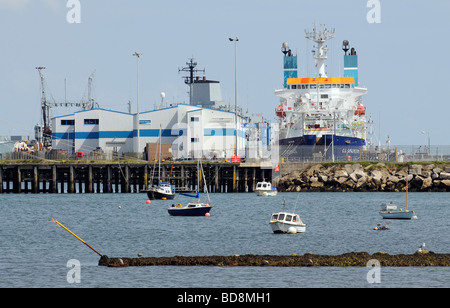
point(428, 133)
point(235, 40)
point(138, 56)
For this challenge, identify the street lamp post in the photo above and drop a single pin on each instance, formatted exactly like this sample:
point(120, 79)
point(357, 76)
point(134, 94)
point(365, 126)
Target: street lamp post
point(235, 40)
point(138, 56)
point(428, 133)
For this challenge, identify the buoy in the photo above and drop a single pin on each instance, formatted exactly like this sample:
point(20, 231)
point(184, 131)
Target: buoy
point(119, 207)
point(292, 230)
point(207, 214)
point(148, 202)
point(164, 198)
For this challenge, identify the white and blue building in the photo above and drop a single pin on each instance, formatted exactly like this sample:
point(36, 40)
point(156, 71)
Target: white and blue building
point(192, 131)
point(206, 128)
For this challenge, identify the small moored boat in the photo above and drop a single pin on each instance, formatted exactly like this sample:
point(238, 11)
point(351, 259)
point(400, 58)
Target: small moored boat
point(191, 209)
point(196, 208)
point(265, 189)
point(163, 191)
point(389, 210)
point(287, 222)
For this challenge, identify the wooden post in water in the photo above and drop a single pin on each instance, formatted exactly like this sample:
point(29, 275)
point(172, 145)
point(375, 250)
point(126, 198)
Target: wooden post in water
point(127, 178)
point(36, 180)
point(54, 187)
point(108, 187)
point(253, 179)
point(71, 180)
point(1, 180)
point(18, 181)
point(216, 178)
point(90, 185)
point(145, 178)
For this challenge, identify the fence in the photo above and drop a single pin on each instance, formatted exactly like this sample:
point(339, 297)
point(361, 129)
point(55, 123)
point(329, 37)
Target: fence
point(400, 153)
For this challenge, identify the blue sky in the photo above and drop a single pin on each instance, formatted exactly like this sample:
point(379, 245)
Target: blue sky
point(403, 61)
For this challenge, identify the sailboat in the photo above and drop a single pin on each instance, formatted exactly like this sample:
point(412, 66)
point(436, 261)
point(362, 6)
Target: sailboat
point(162, 191)
point(389, 210)
point(195, 208)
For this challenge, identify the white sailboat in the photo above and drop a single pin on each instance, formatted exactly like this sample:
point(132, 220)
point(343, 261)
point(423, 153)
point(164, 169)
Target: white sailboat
point(162, 191)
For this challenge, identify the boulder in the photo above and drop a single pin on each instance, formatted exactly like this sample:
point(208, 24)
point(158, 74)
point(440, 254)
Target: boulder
point(316, 184)
point(445, 184)
point(427, 183)
point(415, 169)
point(340, 173)
point(444, 176)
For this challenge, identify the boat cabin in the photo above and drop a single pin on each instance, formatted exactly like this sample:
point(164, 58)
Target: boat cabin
point(286, 217)
point(264, 186)
point(388, 207)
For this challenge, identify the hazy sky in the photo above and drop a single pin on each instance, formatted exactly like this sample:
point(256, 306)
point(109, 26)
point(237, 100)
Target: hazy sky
point(403, 60)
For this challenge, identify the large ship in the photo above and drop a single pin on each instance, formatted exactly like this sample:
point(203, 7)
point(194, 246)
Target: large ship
point(321, 117)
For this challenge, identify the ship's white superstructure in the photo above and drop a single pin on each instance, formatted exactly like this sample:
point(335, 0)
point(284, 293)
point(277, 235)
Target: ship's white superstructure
point(322, 111)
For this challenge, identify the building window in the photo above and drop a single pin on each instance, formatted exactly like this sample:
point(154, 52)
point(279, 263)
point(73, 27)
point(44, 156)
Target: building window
point(194, 119)
point(67, 122)
point(194, 139)
point(90, 121)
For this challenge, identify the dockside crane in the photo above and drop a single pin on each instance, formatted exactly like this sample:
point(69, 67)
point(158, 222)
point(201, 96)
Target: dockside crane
point(43, 132)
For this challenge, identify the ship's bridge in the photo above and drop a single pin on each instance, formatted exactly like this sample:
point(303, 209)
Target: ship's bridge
point(321, 82)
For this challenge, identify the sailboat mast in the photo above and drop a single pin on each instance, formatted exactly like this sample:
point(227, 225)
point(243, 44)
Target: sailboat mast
point(159, 155)
point(407, 190)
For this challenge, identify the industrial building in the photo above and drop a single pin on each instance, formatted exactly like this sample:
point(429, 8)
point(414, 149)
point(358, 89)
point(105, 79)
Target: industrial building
point(191, 131)
point(205, 128)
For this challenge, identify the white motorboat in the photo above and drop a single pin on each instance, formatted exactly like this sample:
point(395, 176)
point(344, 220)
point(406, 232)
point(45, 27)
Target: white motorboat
point(265, 189)
point(287, 222)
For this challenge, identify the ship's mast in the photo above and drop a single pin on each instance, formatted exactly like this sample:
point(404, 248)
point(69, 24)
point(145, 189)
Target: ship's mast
point(320, 36)
point(189, 80)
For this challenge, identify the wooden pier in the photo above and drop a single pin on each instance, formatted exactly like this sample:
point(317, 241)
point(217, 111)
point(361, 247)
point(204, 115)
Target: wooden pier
point(127, 178)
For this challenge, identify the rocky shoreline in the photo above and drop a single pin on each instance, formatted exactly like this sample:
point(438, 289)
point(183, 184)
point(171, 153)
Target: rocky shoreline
point(347, 259)
point(388, 177)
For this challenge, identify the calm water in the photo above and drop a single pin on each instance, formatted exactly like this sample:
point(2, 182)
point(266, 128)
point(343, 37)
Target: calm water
point(35, 251)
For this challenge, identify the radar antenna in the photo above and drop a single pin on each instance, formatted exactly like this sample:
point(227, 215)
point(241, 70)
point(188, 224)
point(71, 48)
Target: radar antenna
point(189, 80)
point(320, 35)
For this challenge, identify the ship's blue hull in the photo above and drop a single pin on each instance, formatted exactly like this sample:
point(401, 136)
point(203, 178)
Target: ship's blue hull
point(307, 146)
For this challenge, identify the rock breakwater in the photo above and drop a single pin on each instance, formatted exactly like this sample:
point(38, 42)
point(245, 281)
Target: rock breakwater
point(389, 177)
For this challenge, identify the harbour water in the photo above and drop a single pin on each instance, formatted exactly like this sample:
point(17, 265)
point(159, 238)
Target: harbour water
point(35, 251)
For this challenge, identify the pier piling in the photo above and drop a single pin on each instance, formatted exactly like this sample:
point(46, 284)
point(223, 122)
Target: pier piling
point(127, 178)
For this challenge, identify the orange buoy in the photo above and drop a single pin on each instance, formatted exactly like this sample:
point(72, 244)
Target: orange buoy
point(207, 214)
point(119, 207)
point(148, 202)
